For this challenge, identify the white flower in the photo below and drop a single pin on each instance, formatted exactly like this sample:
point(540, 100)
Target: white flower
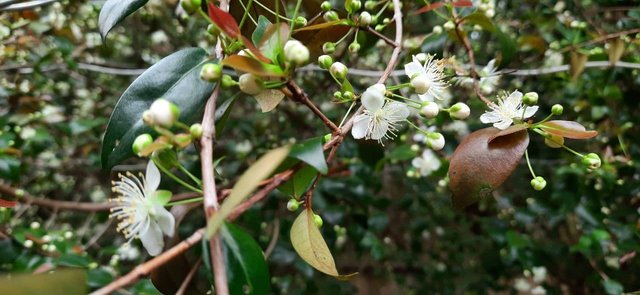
point(295, 52)
point(539, 290)
point(508, 109)
point(140, 209)
point(427, 163)
point(539, 274)
point(435, 140)
point(488, 78)
point(430, 110)
point(429, 72)
point(379, 118)
point(521, 285)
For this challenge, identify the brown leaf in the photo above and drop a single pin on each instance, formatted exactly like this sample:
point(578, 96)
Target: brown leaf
point(510, 130)
point(314, 39)
point(249, 65)
point(576, 65)
point(568, 129)
point(478, 167)
point(321, 25)
point(616, 49)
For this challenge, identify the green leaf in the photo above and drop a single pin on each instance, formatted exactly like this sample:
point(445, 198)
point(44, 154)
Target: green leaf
point(272, 42)
point(247, 270)
point(478, 166)
point(249, 181)
point(114, 11)
point(263, 23)
point(299, 182)
point(612, 287)
point(310, 151)
point(507, 46)
point(67, 282)
point(308, 242)
point(175, 78)
point(481, 19)
point(223, 112)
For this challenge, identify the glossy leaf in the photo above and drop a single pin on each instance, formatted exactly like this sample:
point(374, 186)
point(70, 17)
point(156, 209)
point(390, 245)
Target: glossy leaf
point(322, 25)
point(247, 270)
point(249, 181)
point(508, 47)
point(175, 78)
point(478, 167)
point(568, 129)
point(224, 21)
point(114, 11)
point(299, 182)
point(272, 42)
point(263, 23)
point(63, 281)
point(512, 129)
point(310, 151)
point(223, 112)
point(269, 99)
point(308, 242)
point(250, 65)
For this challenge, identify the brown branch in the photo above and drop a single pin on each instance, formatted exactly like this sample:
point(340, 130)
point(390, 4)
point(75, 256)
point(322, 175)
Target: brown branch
point(383, 37)
point(301, 96)
point(28, 199)
point(601, 39)
point(146, 268)
point(473, 73)
point(189, 278)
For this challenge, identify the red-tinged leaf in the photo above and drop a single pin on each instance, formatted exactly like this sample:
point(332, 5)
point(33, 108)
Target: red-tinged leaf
point(7, 204)
point(250, 65)
point(462, 3)
point(224, 20)
point(478, 167)
point(322, 25)
point(247, 43)
point(314, 39)
point(427, 8)
point(272, 42)
point(568, 129)
point(510, 130)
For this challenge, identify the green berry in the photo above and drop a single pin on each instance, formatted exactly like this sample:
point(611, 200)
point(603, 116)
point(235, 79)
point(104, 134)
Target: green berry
point(538, 183)
point(141, 142)
point(530, 98)
point(318, 220)
point(557, 109)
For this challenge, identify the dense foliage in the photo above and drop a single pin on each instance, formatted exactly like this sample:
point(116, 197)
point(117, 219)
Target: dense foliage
point(386, 209)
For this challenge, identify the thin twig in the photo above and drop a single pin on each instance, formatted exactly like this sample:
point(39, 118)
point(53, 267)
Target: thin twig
point(274, 238)
point(28, 199)
point(146, 268)
point(383, 37)
point(600, 39)
point(189, 278)
point(301, 96)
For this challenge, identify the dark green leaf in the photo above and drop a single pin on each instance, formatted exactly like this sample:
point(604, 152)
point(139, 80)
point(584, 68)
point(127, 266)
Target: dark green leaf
point(263, 23)
point(481, 19)
point(114, 11)
point(175, 78)
point(247, 271)
point(223, 112)
point(299, 182)
point(310, 151)
point(508, 47)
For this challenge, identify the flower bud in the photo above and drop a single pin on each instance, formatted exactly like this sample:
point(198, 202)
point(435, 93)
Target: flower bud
point(386, 21)
point(300, 22)
point(338, 95)
point(348, 95)
point(164, 112)
point(213, 30)
point(211, 72)
point(557, 109)
point(355, 5)
point(592, 161)
point(354, 47)
point(330, 16)
point(554, 141)
point(538, 183)
point(325, 61)
point(329, 47)
point(325, 6)
point(339, 70)
point(365, 19)
point(420, 83)
point(459, 111)
point(141, 142)
point(449, 26)
point(530, 98)
point(490, 13)
point(34, 225)
point(296, 53)
point(293, 205)
point(196, 130)
point(437, 30)
point(369, 5)
point(147, 118)
point(28, 243)
point(227, 81)
point(430, 109)
point(250, 84)
point(190, 6)
point(435, 141)
point(318, 220)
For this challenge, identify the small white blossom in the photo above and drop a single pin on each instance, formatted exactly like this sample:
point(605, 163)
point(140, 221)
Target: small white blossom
point(539, 274)
point(140, 209)
point(427, 163)
point(435, 141)
point(489, 78)
point(379, 118)
point(508, 109)
point(539, 290)
point(521, 285)
point(429, 74)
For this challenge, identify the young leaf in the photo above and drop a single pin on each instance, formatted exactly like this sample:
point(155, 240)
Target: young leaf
point(65, 281)
point(269, 99)
point(308, 242)
point(114, 11)
point(478, 166)
point(263, 23)
point(7, 204)
point(273, 40)
point(510, 130)
point(568, 129)
point(247, 270)
point(175, 78)
point(246, 184)
point(224, 21)
point(247, 64)
point(223, 112)
point(311, 152)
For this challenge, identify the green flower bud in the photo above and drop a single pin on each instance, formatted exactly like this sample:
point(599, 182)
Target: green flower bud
point(338, 95)
point(325, 6)
point(538, 183)
point(318, 220)
point(330, 16)
point(557, 109)
point(339, 70)
point(449, 26)
point(293, 205)
point(141, 142)
point(355, 5)
point(329, 47)
point(228, 82)
point(250, 84)
point(386, 21)
point(348, 95)
point(164, 112)
point(354, 47)
point(325, 61)
point(592, 161)
point(191, 6)
point(379, 28)
point(369, 5)
point(530, 98)
point(296, 53)
point(300, 22)
point(196, 130)
point(211, 72)
point(213, 30)
point(365, 19)
point(459, 111)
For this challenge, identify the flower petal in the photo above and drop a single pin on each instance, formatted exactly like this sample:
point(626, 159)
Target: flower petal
point(490, 117)
point(379, 130)
point(152, 239)
point(514, 99)
point(360, 125)
point(397, 111)
point(413, 68)
point(530, 111)
point(504, 124)
point(152, 178)
point(165, 220)
point(372, 99)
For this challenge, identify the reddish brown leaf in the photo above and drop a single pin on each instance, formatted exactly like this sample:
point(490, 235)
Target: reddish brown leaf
point(224, 20)
point(7, 204)
point(247, 43)
point(314, 39)
point(427, 8)
point(250, 65)
point(568, 129)
point(478, 167)
point(510, 130)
